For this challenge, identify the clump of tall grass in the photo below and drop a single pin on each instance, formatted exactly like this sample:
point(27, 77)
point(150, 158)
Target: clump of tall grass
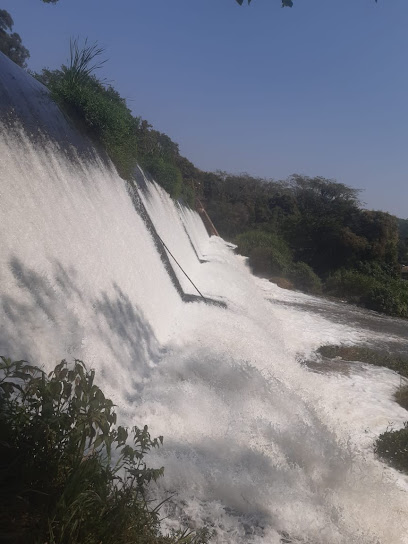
point(68, 473)
point(393, 447)
point(83, 61)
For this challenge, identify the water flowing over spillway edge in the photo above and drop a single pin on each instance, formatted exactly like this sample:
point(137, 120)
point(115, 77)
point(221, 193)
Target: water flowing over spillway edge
point(255, 445)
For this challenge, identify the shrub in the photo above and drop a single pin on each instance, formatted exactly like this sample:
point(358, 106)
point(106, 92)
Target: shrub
point(252, 239)
point(266, 261)
point(349, 284)
point(268, 253)
point(165, 173)
point(393, 446)
point(104, 115)
point(390, 297)
point(188, 195)
point(283, 283)
point(58, 479)
point(401, 396)
point(379, 292)
point(304, 278)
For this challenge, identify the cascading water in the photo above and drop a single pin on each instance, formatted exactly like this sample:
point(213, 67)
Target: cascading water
point(256, 445)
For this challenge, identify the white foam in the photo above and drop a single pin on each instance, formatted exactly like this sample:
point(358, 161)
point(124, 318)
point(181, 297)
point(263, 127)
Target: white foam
point(255, 444)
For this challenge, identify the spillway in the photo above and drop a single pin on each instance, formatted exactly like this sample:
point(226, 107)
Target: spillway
point(256, 446)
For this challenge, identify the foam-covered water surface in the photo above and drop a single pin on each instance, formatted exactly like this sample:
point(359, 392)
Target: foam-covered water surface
point(255, 445)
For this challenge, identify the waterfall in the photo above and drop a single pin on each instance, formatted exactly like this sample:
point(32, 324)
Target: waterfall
point(255, 445)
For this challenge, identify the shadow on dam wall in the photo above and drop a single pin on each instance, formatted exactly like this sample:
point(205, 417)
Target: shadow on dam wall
point(51, 304)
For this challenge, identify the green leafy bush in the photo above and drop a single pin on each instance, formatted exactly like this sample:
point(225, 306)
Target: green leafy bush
point(165, 173)
point(349, 284)
point(381, 292)
point(68, 474)
point(267, 261)
point(393, 447)
point(389, 297)
point(401, 396)
point(268, 253)
point(304, 278)
point(100, 111)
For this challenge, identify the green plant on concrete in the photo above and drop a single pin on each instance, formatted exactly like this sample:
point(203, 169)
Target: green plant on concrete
point(393, 447)
point(68, 474)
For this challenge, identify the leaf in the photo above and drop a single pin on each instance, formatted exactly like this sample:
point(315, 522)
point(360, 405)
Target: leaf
point(66, 392)
point(99, 440)
point(122, 435)
point(7, 388)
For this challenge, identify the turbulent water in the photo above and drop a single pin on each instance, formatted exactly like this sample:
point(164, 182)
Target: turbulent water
point(258, 445)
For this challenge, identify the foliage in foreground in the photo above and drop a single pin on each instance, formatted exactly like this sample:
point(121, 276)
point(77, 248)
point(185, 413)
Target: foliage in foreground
point(68, 474)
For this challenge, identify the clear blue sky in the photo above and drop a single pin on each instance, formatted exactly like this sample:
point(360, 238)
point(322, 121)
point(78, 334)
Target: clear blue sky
point(319, 89)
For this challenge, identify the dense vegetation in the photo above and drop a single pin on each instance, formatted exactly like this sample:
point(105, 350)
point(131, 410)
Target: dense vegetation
point(314, 232)
point(68, 474)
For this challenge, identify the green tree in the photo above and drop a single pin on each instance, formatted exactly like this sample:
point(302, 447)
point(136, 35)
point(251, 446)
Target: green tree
point(10, 42)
